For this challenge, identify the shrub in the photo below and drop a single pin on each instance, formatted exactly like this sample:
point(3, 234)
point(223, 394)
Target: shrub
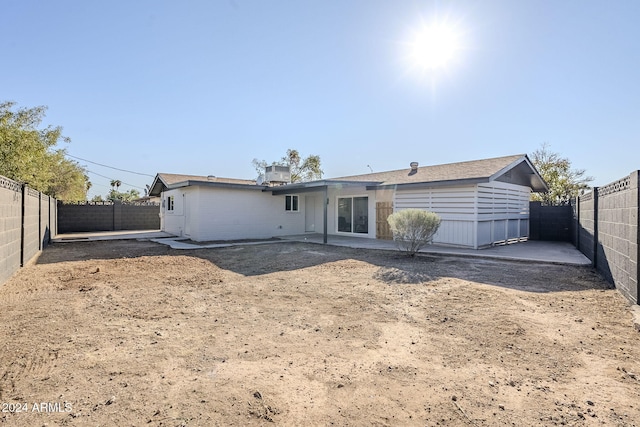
point(413, 228)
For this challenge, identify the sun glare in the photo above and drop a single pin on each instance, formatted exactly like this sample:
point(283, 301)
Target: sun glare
point(433, 47)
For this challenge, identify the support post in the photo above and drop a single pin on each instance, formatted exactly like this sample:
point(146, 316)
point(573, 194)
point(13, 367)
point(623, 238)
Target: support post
point(40, 221)
point(324, 219)
point(23, 210)
point(595, 227)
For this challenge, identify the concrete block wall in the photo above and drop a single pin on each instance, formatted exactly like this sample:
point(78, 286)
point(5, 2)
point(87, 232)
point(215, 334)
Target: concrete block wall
point(586, 225)
point(10, 227)
point(107, 216)
point(31, 224)
point(550, 223)
point(77, 217)
point(140, 217)
point(609, 222)
point(22, 236)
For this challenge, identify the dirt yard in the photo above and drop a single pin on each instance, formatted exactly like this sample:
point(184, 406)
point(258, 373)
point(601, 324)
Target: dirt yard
point(134, 333)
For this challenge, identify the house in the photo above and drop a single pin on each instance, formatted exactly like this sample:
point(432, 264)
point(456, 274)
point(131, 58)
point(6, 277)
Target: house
point(481, 203)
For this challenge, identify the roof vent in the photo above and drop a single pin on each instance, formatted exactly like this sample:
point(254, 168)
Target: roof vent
point(414, 166)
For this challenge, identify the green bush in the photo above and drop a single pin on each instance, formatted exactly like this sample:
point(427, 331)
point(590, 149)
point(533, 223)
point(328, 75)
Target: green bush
point(413, 228)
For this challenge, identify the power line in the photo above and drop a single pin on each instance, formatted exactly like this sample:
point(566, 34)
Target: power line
point(110, 167)
point(130, 185)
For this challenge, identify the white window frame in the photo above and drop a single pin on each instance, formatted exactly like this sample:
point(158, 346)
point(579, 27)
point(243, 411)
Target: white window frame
point(291, 203)
point(170, 203)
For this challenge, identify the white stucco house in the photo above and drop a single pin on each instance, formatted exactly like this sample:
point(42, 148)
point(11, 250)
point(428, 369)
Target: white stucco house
point(481, 203)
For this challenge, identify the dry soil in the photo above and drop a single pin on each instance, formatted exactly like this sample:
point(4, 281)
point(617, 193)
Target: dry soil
point(134, 333)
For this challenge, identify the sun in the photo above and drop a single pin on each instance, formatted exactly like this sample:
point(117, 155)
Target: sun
point(433, 46)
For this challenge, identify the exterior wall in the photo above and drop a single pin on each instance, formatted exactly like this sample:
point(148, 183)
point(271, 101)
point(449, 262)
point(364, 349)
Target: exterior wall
point(456, 207)
point(210, 213)
point(608, 221)
point(18, 244)
point(474, 215)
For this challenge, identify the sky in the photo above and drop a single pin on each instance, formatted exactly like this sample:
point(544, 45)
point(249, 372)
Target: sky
point(203, 87)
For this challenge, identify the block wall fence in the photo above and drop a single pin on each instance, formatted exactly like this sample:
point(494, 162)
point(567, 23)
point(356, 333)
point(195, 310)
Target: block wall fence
point(607, 227)
point(27, 224)
point(107, 216)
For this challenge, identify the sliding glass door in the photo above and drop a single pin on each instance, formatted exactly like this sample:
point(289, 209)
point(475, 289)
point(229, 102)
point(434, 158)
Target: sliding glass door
point(353, 215)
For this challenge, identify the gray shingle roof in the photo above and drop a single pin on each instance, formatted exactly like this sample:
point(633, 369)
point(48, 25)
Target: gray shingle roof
point(476, 169)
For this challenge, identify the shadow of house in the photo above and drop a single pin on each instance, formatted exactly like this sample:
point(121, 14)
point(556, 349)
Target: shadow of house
point(392, 268)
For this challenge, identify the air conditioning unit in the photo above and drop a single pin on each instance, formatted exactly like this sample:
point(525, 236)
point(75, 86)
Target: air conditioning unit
point(277, 175)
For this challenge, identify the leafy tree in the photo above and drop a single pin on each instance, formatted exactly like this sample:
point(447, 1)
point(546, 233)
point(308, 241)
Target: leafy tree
point(413, 228)
point(28, 154)
point(302, 169)
point(126, 196)
point(564, 182)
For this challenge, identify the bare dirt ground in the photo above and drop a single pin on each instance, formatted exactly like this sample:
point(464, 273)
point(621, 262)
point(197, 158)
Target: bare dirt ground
point(134, 333)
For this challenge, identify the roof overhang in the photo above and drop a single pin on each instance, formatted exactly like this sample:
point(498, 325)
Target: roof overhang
point(195, 183)
point(429, 184)
point(522, 172)
point(308, 187)
point(157, 187)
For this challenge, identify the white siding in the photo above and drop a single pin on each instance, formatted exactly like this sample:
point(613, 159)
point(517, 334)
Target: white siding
point(503, 212)
point(474, 215)
point(455, 206)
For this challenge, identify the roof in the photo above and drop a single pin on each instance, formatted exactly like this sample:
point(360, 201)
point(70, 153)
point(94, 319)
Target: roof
point(516, 169)
point(484, 168)
point(164, 181)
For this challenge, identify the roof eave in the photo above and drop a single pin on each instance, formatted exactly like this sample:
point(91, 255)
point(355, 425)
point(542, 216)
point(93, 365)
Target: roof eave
point(193, 183)
point(426, 184)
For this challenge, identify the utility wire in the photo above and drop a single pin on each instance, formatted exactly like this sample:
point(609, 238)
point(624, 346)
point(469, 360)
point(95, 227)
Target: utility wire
point(110, 167)
point(130, 185)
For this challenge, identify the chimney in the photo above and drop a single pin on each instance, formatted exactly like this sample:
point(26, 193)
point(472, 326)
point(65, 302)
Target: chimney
point(414, 166)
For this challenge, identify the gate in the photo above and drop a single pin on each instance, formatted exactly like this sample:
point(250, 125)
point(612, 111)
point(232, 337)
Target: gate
point(383, 230)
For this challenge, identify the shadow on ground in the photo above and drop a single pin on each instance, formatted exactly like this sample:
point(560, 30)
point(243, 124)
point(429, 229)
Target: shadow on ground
point(393, 267)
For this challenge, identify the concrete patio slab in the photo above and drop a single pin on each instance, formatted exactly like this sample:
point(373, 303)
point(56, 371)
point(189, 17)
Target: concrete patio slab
point(536, 251)
point(110, 235)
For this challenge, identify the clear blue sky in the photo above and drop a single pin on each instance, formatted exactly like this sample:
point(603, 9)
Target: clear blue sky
point(204, 87)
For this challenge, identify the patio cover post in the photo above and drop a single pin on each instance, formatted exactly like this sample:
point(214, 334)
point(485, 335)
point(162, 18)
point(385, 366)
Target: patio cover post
point(326, 203)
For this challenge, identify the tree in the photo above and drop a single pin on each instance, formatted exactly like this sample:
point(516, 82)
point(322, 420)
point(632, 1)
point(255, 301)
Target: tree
point(413, 228)
point(28, 154)
point(564, 182)
point(302, 170)
point(115, 184)
point(126, 196)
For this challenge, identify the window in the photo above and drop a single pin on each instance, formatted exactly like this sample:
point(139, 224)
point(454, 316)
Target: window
point(353, 215)
point(170, 203)
point(291, 203)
